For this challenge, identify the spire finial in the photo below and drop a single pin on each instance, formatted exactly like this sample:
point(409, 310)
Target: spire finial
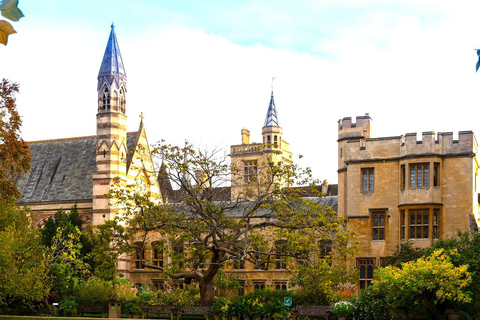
point(273, 79)
point(112, 26)
point(141, 116)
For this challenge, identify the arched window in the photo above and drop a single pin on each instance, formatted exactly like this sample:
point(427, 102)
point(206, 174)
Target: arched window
point(275, 141)
point(106, 99)
point(121, 101)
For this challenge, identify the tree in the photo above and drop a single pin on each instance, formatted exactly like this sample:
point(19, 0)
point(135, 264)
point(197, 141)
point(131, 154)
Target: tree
point(203, 228)
point(24, 276)
point(427, 282)
point(464, 249)
point(14, 152)
point(74, 255)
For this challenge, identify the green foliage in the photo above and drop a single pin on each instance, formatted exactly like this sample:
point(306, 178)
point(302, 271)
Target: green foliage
point(227, 285)
point(428, 282)
point(99, 291)
point(217, 232)
point(68, 308)
point(131, 308)
point(99, 253)
point(464, 249)
point(318, 282)
point(261, 303)
point(94, 291)
point(180, 297)
point(24, 276)
point(371, 304)
point(144, 294)
point(123, 291)
point(405, 253)
point(342, 309)
point(219, 304)
point(62, 238)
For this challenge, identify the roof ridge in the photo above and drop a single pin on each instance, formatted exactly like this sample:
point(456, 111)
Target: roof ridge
point(62, 139)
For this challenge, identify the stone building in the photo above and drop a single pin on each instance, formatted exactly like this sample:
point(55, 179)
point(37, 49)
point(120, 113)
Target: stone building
point(251, 159)
point(79, 171)
point(397, 189)
point(390, 189)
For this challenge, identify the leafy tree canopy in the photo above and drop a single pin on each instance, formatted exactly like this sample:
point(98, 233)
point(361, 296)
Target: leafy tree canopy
point(428, 282)
point(266, 222)
point(24, 276)
point(14, 152)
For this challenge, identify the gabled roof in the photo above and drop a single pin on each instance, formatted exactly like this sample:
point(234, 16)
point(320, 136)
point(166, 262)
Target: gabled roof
point(62, 170)
point(271, 118)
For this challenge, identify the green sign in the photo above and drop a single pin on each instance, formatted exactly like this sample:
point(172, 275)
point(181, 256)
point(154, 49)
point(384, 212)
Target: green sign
point(287, 301)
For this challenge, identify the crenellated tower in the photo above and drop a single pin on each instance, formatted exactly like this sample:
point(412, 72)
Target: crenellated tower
point(111, 150)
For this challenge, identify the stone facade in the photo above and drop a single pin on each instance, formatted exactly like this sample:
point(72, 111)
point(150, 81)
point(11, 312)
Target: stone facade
point(397, 189)
point(251, 159)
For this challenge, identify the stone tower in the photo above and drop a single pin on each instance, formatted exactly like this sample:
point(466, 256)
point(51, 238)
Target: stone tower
point(111, 150)
point(249, 159)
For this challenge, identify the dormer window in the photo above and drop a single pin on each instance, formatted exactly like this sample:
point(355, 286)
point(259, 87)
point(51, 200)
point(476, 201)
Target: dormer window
point(106, 99)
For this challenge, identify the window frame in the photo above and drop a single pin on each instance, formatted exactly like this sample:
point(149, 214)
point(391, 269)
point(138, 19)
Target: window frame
point(425, 228)
point(367, 176)
point(157, 255)
point(419, 175)
point(280, 250)
point(250, 171)
point(436, 174)
point(365, 264)
point(280, 285)
point(259, 285)
point(378, 230)
point(138, 258)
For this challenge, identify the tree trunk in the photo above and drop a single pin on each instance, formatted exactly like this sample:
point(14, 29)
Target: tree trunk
point(207, 293)
point(207, 288)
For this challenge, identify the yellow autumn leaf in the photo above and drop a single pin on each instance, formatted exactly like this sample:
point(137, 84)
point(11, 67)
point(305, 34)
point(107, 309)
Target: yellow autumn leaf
point(6, 29)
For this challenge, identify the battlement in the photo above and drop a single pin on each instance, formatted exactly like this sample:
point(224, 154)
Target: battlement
point(361, 128)
point(408, 145)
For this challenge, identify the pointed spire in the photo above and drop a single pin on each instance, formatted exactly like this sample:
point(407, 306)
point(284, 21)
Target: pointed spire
point(271, 118)
point(112, 64)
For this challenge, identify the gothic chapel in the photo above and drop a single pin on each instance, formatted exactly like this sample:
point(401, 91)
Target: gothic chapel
point(81, 170)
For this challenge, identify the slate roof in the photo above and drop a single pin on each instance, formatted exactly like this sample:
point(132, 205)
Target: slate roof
point(62, 170)
point(112, 63)
point(271, 118)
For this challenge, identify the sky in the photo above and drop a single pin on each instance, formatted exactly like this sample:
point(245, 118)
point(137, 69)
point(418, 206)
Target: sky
point(202, 70)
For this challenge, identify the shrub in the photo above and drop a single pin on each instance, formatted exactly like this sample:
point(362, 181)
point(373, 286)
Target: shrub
point(218, 304)
point(180, 297)
point(342, 309)
point(131, 308)
point(144, 294)
point(69, 308)
point(123, 291)
point(371, 304)
point(94, 291)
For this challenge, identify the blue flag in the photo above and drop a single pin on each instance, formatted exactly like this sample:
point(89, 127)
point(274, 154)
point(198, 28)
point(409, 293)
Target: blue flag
point(478, 62)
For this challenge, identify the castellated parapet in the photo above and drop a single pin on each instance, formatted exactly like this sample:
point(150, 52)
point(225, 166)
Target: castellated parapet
point(362, 128)
point(408, 146)
point(413, 187)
